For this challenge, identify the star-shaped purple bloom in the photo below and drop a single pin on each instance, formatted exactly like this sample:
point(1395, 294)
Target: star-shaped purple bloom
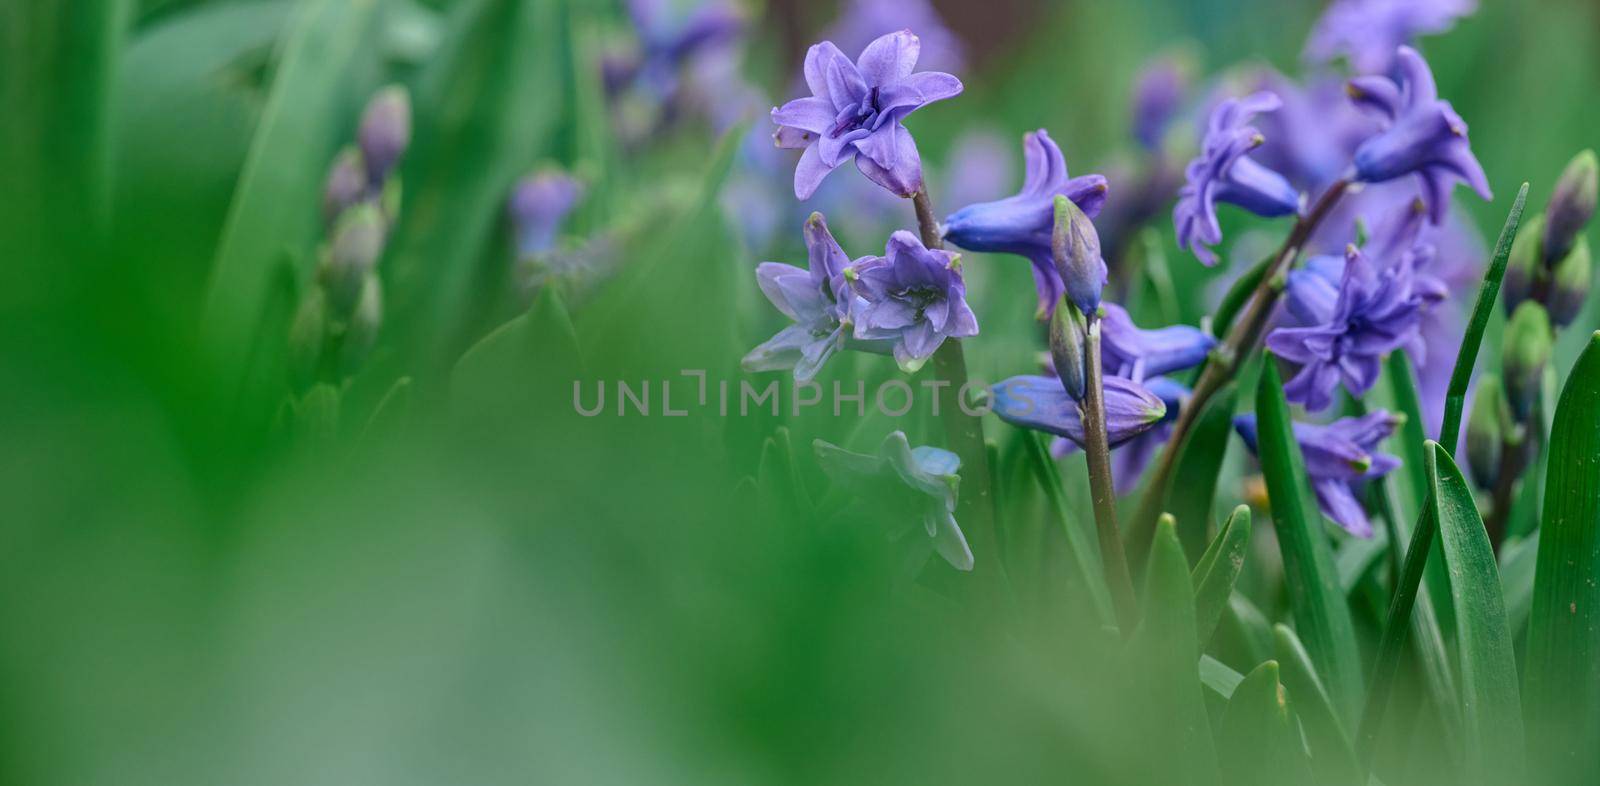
point(1425, 136)
point(1367, 32)
point(817, 299)
point(1374, 312)
point(1224, 172)
point(1337, 457)
point(855, 110)
point(911, 296)
point(1022, 224)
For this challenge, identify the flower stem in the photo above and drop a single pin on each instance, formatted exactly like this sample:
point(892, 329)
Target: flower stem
point(1244, 334)
point(1102, 489)
point(963, 428)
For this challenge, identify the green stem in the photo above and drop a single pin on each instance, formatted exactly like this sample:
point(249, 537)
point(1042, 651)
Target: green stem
point(1102, 488)
point(963, 428)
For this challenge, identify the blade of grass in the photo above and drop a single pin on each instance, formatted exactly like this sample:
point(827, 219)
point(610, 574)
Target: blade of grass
point(1320, 611)
point(1491, 707)
point(1217, 572)
point(1422, 537)
point(1562, 682)
point(274, 215)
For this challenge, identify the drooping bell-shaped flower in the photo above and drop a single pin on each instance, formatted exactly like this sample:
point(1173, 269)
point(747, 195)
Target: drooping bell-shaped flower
point(912, 297)
point(855, 113)
point(1367, 32)
point(1128, 350)
point(1374, 313)
point(1424, 137)
point(1337, 457)
point(1128, 462)
point(907, 486)
point(1224, 172)
point(539, 204)
point(817, 299)
point(1042, 404)
point(1023, 224)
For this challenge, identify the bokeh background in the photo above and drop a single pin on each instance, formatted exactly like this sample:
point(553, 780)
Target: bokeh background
point(452, 578)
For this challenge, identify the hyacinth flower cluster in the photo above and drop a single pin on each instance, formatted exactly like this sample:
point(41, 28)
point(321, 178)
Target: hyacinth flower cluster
point(336, 325)
point(1339, 457)
point(1367, 33)
point(681, 56)
point(1225, 172)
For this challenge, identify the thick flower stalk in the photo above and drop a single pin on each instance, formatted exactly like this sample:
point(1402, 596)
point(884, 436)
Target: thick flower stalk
point(1339, 457)
point(910, 486)
point(1023, 224)
point(855, 111)
point(1424, 136)
point(1225, 172)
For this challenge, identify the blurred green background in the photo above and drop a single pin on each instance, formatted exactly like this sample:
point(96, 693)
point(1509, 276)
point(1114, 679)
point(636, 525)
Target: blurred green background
point(203, 580)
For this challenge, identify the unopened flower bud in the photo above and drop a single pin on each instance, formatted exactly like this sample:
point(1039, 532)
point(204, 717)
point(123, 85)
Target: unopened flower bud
point(1572, 205)
point(361, 334)
point(1075, 245)
point(1569, 284)
point(539, 204)
point(346, 185)
point(1524, 267)
point(1484, 435)
point(305, 338)
point(385, 131)
point(1067, 350)
point(1528, 343)
point(357, 244)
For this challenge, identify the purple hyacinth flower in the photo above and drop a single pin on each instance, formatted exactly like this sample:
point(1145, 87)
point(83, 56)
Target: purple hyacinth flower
point(1158, 94)
point(1224, 172)
point(911, 296)
point(1130, 351)
point(1129, 461)
point(385, 132)
point(855, 112)
point(817, 299)
point(909, 485)
point(1022, 224)
point(979, 167)
point(1367, 32)
point(1374, 312)
point(1425, 136)
point(1311, 138)
point(539, 203)
point(671, 33)
point(1337, 457)
point(864, 20)
point(1042, 404)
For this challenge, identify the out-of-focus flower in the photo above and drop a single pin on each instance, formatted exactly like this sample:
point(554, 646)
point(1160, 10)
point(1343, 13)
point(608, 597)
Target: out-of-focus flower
point(1367, 32)
point(1023, 224)
point(1130, 351)
point(1571, 206)
point(1570, 283)
point(671, 33)
point(919, 484)
point(1425, 136)
point(1374, 313)
point(1158, 93)
point(1310, 139)
point(1224, 172)
point(539, 203)
point(385, 131)
point(357, 243)
point(1042, 404)
point(912, 296)
point(1528, 342)
point(1486, 431)
point(361, 333)
point(855, 112)
point(979, 168)
point(345, 186)
point(818, 301)
point(864, 20)
point(1337, 457)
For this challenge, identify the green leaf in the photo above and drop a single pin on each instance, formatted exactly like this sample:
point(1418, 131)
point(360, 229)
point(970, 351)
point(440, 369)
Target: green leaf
point(1192, 489)
point(1410, 444)
point(1083, 554)
point(486, 108)
point(1491, 707)
point(1165, 647)
point(1519, 558)
point(1399, 622)
point(1258, 743)
point(274, 210)
point(1333, 760)
point(1562, 687)
point(1218, 677)
point(1320, 612)
point(527, 364)
point(1217, 572)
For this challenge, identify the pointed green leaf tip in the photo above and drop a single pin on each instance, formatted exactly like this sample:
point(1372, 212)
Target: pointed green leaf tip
point(1490, 703)
point(1562, 687)
point(1217, 571)
point(1258, 743)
